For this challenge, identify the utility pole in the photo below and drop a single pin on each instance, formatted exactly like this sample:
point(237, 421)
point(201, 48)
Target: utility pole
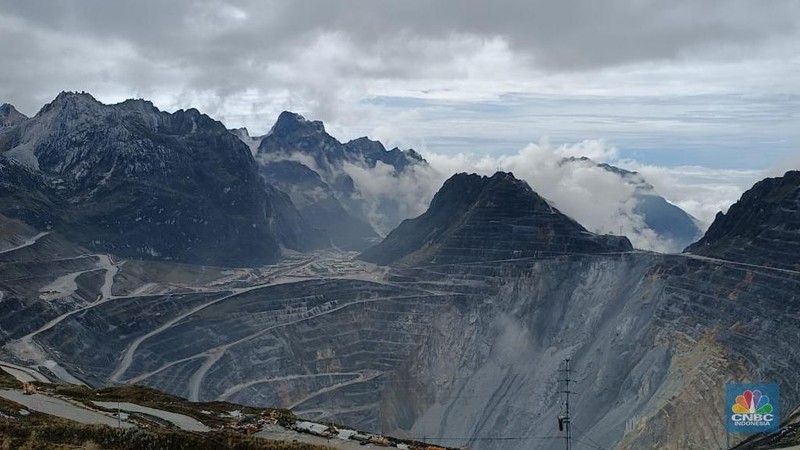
point(564, 419)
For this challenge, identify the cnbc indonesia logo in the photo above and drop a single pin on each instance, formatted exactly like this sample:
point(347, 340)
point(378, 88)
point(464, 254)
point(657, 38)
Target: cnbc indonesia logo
point(752, 407)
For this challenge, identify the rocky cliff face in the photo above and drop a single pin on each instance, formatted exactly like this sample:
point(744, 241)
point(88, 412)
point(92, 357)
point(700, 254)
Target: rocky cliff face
point(9, 116)
point(473, 218)
point(763, 227)
point(26, 194)
point(301, 158)
point(460, 354)
point(135, 181)
point(459, 341)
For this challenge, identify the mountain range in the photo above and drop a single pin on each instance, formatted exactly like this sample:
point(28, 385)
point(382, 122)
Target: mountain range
point(301, 158)
point(301, 197)
point(452, 329)
point(137, 182)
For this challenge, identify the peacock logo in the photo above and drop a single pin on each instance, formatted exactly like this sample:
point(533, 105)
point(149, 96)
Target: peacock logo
point(752, 402)
point(752, 407)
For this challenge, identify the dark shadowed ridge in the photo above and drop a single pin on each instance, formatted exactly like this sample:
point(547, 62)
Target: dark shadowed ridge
point(475, 218)
point(763, 227)
point(138, 182)
point(323, 191)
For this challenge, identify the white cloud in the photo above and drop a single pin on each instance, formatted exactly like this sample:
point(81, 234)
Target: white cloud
point(597, 150)
point(786, 163)
point(598, 199)
point(408, 193)
point(464, 83)
point(486, 79)
point(700, 191)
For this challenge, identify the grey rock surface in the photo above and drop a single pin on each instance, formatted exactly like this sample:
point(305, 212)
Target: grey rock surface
point(139, 182)
point(474, 218)
point(301, 158)
point(464, 349)
point(763, 227)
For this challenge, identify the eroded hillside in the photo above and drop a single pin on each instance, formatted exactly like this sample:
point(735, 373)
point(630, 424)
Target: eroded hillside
point(461, 351)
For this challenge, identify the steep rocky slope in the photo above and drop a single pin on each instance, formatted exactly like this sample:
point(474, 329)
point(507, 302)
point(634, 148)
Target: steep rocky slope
point(9, 116)
point(301, 158)
point(319, 205)
point(462, 354)
point(763, 227)
point(499, 217)
point(464, 349)
point(28, 195)
point(138, 182)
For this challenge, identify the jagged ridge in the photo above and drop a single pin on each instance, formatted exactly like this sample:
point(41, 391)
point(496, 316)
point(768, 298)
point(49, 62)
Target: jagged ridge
point(763, 227)
point(301, 158)
point(138, 182)
point(474, 218)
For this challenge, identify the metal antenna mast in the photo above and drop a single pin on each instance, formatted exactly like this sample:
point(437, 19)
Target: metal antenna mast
point(564, 419)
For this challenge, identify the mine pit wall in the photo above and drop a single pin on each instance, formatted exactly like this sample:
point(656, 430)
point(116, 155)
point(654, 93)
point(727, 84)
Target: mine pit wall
point(492, 370)
point(727, 323)
point(28, 303)
point(353, 350)
point(651, 355)
point(473, 350)
point(91, 342)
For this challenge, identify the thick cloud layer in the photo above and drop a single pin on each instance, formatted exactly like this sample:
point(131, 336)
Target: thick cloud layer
point(680, 78)
point(678, 87)
point(599, 199)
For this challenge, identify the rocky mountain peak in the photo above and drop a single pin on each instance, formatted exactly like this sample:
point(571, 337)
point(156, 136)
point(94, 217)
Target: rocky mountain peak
point(140, 105)
point(241, 132)
point(313, 167)
point(763, 227)
point(9, 116)
point(499, 189)
point(290, 123)
point(293, 133)
point(82, 110)
point(366, 145)
point(71, 102)
point(139, 182)
point(478, 218)
point(372, 152)
point(413, 154)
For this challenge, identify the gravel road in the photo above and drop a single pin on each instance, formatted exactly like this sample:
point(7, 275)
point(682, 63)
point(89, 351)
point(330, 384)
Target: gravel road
point(60, 408)
point(179, 420)
point(23, 374)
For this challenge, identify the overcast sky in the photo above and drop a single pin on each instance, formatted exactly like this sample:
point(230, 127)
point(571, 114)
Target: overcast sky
point(670, 83)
